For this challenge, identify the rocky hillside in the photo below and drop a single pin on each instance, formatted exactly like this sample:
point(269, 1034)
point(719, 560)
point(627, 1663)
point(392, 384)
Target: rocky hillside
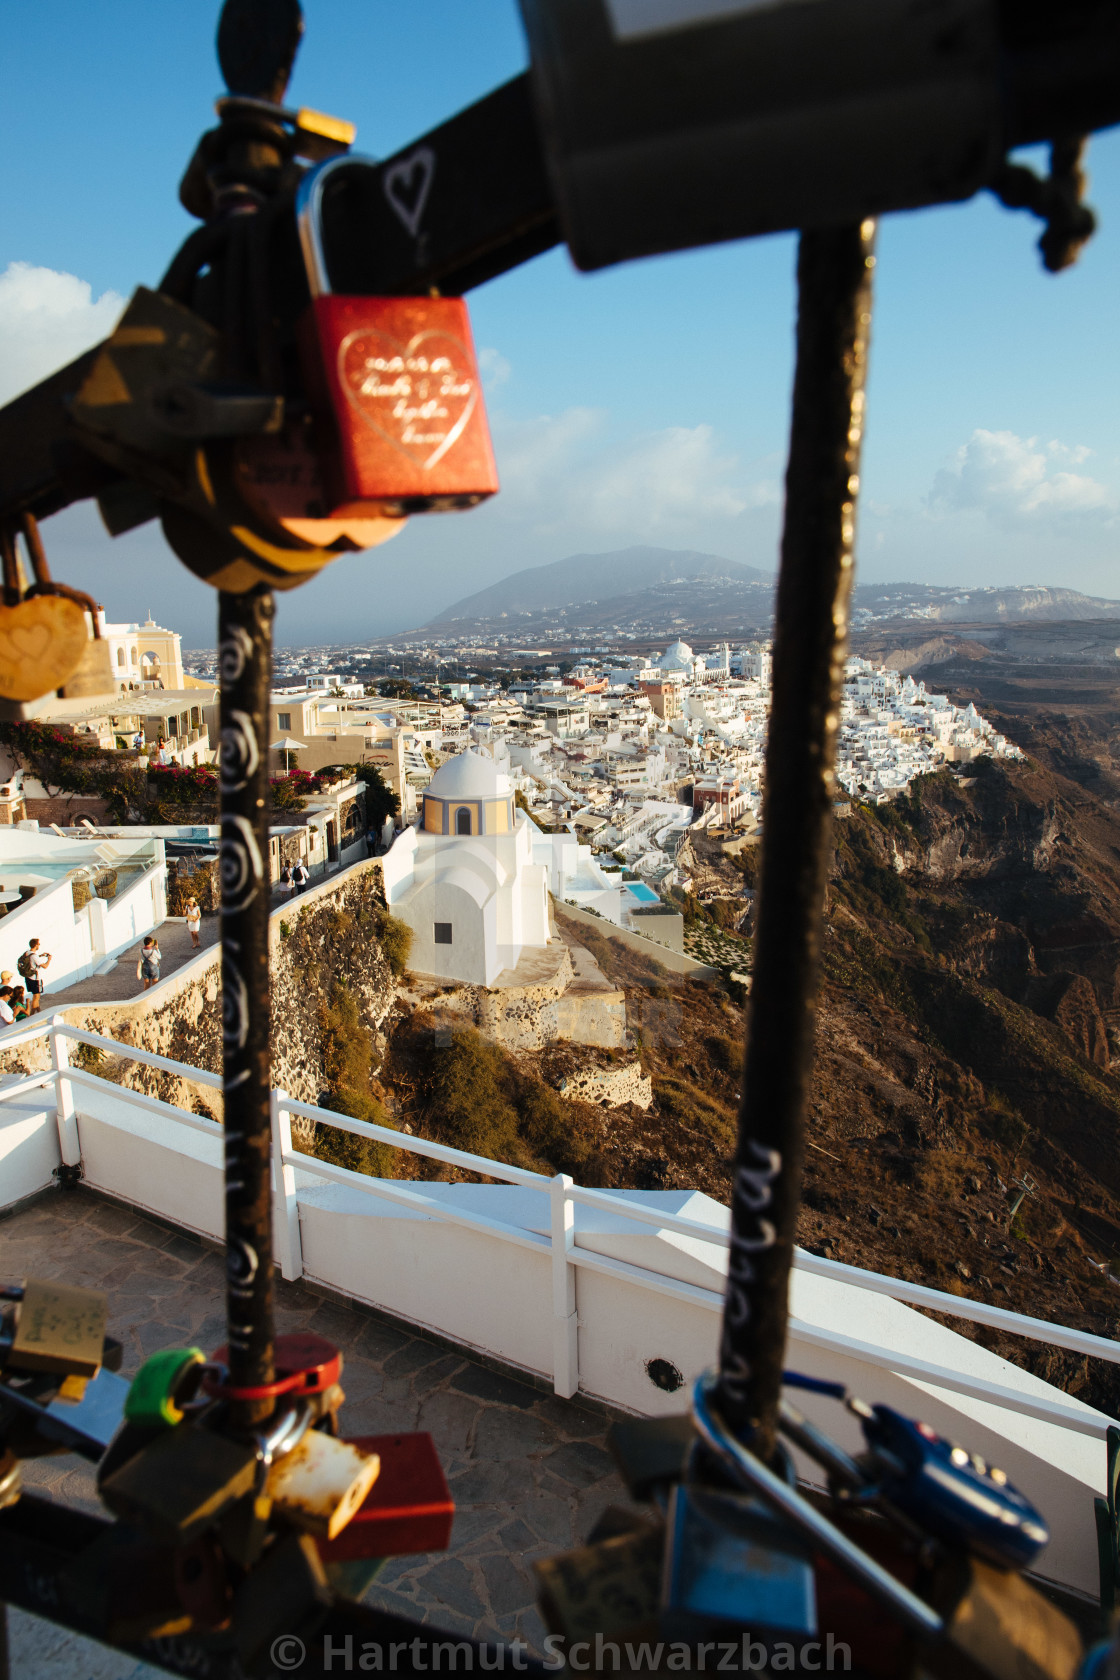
point(969, 1022)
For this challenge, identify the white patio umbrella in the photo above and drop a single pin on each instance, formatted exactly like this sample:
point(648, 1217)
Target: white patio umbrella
point(286, 745)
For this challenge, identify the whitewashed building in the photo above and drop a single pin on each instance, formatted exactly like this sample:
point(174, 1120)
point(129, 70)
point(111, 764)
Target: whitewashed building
point(464, 878)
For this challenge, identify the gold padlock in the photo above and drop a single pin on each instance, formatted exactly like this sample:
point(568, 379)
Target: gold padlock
point(59, 1329)
point(181, 1483)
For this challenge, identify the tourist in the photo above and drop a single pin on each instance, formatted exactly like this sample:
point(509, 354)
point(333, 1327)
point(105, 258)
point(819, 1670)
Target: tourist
point(147, 969)
point(286, 886)
point(194, 921)
point(301, 876)
point(7, 1017)
point(31, 965)
point(18, 1002)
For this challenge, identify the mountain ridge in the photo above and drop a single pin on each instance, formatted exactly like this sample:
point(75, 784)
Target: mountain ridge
point(650, 589)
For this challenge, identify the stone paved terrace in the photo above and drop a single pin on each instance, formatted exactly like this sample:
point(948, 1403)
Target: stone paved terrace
point(530, 1473)
point(120, 983)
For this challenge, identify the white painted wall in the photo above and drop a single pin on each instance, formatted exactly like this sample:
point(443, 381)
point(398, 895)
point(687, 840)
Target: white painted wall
point(486, 1294)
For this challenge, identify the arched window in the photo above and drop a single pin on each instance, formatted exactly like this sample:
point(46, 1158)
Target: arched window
point(462, 820)
point(120, 656)
point(135, 657)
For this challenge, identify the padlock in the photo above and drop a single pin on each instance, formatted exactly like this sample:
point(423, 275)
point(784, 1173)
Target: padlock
point(651, 1453)
point(57, 1328)
point(610, 1588)
point(123, 1585)
point(730, 1562)
point(202, 1583)
point(11, 1480)
point(306, 1364)
point(393, 383)
point(287, 1593)
point(181, 1482)
point(161, 1386)
point(320, 1484)
point(409, 1507)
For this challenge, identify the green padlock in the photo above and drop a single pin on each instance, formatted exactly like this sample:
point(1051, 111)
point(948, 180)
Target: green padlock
point(152, 1399)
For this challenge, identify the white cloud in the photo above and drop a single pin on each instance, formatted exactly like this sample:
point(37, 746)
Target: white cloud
point(561, 470)
point(494, 367)
point(46, 319)
point(1020, 482)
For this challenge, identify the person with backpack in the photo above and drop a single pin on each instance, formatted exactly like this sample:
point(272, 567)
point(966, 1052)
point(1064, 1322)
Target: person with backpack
point(147, 969)
point(31, 965)
point(301, 876)
point(286, 886)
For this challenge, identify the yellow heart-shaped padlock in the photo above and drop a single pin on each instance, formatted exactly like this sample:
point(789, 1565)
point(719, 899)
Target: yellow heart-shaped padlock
point(42, 641)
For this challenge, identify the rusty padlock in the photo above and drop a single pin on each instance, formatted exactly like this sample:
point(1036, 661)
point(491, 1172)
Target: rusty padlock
point(394, 385)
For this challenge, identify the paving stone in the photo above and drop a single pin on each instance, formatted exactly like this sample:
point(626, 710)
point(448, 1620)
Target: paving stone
point(502, 1435)
point(476, 1380)
point(532, 1630)
point(451, 1583)
point(450, 1418)
point(506, 1585)
point(183, 1247)
point(211, 1333)
point(472, 1525)
point(517, 1538)
point(414, 1356)
point(488, 1483)
point(338, 1324)
point(570, 1420)
point(208, 1273)
point(378, 1340)
point(155, 1335)
point(580, 1463)
point(105, 1216)
point(548, 1516)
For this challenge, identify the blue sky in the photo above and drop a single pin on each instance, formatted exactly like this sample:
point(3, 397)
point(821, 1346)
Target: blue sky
point(646, 404)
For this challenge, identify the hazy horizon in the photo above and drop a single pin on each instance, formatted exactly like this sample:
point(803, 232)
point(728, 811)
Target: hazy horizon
point(644, 404)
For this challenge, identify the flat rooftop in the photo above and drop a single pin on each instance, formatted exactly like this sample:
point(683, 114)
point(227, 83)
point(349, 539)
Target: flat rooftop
point(530, 1473)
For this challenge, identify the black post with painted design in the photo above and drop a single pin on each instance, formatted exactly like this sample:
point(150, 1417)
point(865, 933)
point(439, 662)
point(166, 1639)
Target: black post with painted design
point(245, 663)
point(810, 642)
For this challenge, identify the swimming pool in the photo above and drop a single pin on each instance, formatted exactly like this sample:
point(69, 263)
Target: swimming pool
point(644, 894)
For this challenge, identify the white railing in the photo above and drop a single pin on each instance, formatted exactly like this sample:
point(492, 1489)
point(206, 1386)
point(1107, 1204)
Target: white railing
point(559, 1245)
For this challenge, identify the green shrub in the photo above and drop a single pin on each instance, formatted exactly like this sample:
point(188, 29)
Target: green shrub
point(395, 938)
point(469, 1096)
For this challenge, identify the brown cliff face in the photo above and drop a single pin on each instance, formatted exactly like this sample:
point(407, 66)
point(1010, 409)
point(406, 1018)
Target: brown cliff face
point(969, 1015)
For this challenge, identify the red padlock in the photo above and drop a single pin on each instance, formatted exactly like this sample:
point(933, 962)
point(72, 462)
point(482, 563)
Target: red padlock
point(306, 1364)
point(394, 386)
point(408, 1509)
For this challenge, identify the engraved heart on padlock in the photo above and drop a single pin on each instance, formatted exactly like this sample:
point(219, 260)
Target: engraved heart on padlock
point(42, 642)
point(418, 396)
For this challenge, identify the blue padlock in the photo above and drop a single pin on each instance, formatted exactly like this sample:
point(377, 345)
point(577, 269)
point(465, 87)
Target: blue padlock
point(950, 1492)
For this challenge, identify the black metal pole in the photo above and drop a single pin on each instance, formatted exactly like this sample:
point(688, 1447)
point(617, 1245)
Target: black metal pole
point(245, 665)
point(822, 484)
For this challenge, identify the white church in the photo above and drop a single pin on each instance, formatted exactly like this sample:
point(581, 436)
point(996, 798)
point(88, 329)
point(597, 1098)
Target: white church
point(464, 878)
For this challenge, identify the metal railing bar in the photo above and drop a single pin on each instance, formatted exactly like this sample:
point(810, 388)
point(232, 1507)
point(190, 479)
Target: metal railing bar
point(937, 1376)
point(958, 1306)
point(419, 1203)
point(140, 1099)
point(420, 1146)
point(113, 1047)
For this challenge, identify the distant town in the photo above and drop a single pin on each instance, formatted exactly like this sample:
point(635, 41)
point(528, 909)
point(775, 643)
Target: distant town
point(627, 749)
